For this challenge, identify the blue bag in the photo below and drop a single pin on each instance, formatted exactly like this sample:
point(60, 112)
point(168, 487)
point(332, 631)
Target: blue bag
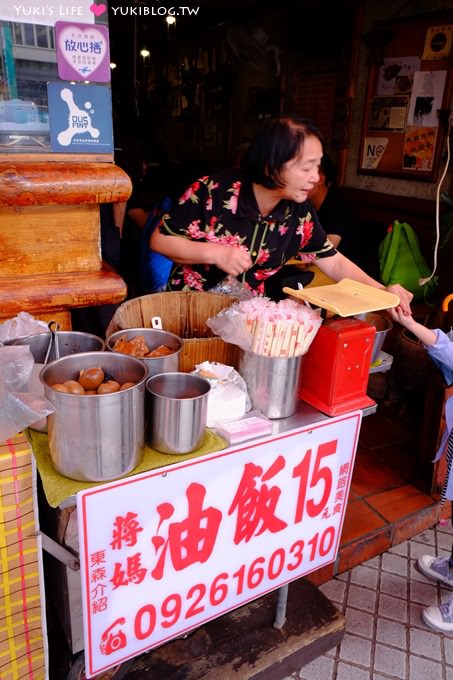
point(154, 267)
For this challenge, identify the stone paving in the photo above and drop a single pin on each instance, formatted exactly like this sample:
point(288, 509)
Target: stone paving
point(382, 600)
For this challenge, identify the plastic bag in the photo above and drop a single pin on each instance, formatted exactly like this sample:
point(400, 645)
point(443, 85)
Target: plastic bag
point(21, 405)
point(230, 325)
point(23, 324)
point(230, 285)
point(262, 326)
point(228, 398)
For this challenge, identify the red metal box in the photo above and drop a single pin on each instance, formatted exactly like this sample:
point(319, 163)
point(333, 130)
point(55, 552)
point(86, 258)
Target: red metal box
point(335, 370)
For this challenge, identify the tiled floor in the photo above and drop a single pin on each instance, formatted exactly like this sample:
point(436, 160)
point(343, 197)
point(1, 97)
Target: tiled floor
point(391, 518)
point(382, 599)
point(390, 499)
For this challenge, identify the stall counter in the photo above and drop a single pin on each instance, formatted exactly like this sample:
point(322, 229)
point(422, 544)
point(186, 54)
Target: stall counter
point(211, 531)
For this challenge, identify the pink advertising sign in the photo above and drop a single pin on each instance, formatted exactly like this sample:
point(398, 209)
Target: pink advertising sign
point(82, 52)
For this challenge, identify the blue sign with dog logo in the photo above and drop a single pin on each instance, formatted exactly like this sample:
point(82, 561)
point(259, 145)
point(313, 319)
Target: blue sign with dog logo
point(80, 118)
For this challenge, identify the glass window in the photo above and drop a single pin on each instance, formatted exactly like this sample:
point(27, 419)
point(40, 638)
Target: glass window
point(28, 35)
point(42, 36)
point(28, 62)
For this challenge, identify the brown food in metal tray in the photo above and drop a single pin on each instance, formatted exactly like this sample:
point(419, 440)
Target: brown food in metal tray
point(161, 351)
point(137, 347)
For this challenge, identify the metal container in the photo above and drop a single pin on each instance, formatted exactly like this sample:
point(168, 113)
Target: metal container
point(153, 338)
point(273, 383)
point(176, 411)
point(383, 325)
point(96, 437)
point(69, 342)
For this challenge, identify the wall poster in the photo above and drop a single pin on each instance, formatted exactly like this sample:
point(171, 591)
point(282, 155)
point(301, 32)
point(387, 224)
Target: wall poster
point(408, 102)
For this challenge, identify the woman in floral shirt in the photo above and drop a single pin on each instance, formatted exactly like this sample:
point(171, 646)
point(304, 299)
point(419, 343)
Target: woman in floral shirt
point(249, 222)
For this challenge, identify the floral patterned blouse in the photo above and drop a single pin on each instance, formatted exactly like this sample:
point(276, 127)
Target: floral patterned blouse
point(221, 208)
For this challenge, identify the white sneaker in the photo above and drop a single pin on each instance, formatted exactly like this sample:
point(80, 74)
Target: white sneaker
point(437, 568)
point(439, 617)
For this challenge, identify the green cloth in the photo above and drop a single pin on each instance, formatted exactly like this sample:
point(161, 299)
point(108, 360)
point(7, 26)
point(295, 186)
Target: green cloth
point(58, 488)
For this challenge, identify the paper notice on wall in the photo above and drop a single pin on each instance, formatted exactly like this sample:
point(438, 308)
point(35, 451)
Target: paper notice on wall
point(395, 75)
point(438, 42)
point(388, 113)
point(373, 150)
point(419, 146)
point(426, 98)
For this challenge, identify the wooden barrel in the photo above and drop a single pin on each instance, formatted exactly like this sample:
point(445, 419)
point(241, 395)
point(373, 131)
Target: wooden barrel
point(184, 313)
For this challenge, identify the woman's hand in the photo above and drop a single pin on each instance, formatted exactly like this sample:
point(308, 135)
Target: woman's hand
point(230, 259)
point(405, 297)
point(233, 261)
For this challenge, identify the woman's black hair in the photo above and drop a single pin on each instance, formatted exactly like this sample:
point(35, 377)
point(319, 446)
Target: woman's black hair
point(277, 141)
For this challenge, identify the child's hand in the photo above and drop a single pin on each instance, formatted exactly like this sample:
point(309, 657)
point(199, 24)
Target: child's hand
point(406, 320)
point(404, 295)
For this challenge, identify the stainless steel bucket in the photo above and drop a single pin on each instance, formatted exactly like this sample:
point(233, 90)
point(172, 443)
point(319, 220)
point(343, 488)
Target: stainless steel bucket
point(96, 437)
point(383, 325)
point(69, 342)
point(273, 383)
point(153, 338)
point(178, 406)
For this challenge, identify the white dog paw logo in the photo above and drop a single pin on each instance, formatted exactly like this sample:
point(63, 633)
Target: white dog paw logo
point(79, 120)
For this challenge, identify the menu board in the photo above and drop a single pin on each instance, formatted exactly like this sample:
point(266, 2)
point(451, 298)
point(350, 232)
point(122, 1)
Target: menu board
point(409, 97)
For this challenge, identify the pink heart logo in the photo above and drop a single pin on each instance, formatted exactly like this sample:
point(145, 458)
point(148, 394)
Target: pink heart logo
point(76, 58)
point(98, 9)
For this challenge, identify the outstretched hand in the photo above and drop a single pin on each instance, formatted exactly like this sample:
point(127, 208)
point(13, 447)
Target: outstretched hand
point(405, 297)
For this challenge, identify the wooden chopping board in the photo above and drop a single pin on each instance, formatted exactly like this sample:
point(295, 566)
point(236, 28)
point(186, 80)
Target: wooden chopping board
point(346, 298)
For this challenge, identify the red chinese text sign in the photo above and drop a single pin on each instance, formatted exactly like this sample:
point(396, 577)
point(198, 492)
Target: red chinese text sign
point(166, 551)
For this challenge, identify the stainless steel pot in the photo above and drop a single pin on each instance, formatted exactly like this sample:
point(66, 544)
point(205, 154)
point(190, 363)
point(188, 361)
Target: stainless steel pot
point(69, 342)
point(153, 338)
point(44, 347)
point(383, 324)
point(96, 437)
point(176, 411)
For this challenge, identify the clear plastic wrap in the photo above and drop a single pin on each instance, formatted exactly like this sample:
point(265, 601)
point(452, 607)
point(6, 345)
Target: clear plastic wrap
point(21, 325)
point(230, 285)
point(262, 326)
point(21, 404)
point(230, 325)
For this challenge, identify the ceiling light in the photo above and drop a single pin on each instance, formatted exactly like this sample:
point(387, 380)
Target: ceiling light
point(170, 20)
point(144, 53)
